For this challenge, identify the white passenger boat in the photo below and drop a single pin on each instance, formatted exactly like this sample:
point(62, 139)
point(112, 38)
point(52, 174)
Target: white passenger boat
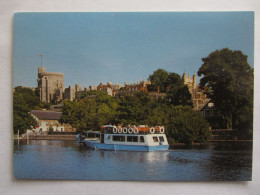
point(130, 138)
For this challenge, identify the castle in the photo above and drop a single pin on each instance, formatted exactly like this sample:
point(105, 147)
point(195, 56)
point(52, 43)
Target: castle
point(51, 88)
point(199, 98)
point(50, 85)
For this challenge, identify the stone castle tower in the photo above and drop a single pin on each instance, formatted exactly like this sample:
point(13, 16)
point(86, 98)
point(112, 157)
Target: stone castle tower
point(191, 82)
point(50, 85)
point(199, 99)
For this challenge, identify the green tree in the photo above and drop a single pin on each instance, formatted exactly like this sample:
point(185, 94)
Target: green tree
point(177, 93)
point(186, 125)
point(159, 79)
point(90, 112)
point(134, 109)
point(173, 85)
point(69, 113)
point(24, 100)
point(158, 114)
point(29, 96)
point(228, 80)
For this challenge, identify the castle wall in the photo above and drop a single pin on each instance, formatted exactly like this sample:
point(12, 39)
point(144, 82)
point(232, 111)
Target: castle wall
point(70, 93)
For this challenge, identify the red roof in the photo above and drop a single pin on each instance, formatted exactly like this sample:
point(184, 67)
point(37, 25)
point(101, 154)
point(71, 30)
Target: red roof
point(46, 115)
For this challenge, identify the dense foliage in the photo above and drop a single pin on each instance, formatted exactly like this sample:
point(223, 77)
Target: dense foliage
point(25, 100)
point(178, 93)
point(229, 81)
point(183, 124)
point(171, 84)
point(159, 80)
point(95, 109)
point(134, 109)
point(186, 125)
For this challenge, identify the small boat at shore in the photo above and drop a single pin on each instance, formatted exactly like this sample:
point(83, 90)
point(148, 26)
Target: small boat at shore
point(130, 138)
point(88, 135)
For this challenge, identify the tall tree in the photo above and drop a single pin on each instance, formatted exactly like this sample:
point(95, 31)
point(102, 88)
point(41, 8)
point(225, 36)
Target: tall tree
point(177, 93)
point(24, 100)
point(173, 85)
point(159, 79)
point(228, 80)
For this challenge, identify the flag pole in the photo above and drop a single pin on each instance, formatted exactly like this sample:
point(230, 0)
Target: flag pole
point(41, 59)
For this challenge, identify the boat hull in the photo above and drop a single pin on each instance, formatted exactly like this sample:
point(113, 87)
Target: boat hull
point(101, 146)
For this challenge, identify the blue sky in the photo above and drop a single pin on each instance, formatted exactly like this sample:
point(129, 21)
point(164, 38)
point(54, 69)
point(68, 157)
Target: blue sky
point(90, 48)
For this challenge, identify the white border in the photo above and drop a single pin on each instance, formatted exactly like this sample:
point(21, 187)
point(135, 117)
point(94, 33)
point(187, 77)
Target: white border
point(8, 185)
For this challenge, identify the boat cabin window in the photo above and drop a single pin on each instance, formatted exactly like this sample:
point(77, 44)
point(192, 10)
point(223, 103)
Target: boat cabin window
point(155, 138)
point(132, 138)
point(141, 139)
point(118, 138)
point(108, 129)
point(161, 139)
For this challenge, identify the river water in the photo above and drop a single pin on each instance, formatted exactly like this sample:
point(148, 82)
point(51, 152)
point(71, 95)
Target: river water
point(45, 159)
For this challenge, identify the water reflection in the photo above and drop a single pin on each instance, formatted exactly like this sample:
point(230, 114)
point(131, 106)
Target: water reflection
point(45, 159)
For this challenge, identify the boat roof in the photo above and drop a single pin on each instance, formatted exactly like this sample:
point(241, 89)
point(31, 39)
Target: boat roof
point(94, 132)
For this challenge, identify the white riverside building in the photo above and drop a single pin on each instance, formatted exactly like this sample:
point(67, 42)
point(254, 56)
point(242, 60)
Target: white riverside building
point(46, 120)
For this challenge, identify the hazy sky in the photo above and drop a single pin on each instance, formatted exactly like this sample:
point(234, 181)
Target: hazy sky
point(90, 48)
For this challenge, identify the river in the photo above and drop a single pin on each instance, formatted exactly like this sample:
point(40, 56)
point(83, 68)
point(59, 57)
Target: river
point(53, 159)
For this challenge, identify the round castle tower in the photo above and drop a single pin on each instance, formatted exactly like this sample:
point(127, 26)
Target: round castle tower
point(50, 85)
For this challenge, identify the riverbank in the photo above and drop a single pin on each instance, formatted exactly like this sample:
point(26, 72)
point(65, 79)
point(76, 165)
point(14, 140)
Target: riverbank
point(211, 141)
point(231, 140)
point(73, 138)
point(49, 137)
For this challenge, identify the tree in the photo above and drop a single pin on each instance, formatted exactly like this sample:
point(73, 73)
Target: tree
point(24, 100)
point(173, 85)
point(228, 81)
point(158, 114)
point(186, 125)
point(177, 93)
point(90, 113)
point(29, 96)
point(159, 79)
point(134, 109)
